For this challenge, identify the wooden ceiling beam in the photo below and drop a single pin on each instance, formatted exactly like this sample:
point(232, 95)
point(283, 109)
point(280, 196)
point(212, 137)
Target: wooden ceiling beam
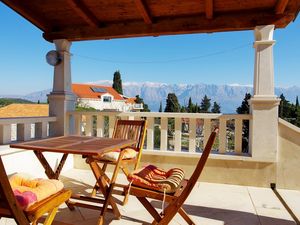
point(37, 20)
point(172, 26)
point(142, 8)
point(81, 10)
point(280, 6)
point(209, 9)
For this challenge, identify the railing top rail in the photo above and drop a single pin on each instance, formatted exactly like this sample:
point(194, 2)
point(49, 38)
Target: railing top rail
point(165, 115)
point(36, 119)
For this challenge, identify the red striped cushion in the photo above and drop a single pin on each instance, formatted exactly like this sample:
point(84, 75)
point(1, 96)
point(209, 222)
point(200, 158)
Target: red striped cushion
point(153, 178)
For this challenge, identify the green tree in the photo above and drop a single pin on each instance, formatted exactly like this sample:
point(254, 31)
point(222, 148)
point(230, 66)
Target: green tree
point(160, 107)
point(172, 104)
point(287, 110)
point(297, 103)
point(139, 100)
point(297, 122)
point(205, 104)
point(183, 109)
point(216, 108)
point(245, 109)
point(190, 107)
point(117, 82)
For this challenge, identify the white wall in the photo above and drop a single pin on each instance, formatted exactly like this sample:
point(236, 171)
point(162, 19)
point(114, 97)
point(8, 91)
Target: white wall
point(118, 105)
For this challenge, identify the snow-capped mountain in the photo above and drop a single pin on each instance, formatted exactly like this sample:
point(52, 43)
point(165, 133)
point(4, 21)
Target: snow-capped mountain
point(228, 96)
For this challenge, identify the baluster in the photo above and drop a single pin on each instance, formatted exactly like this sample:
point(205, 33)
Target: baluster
point(100, 126)
point(5, 133)
point(222, 135)
point(177, 145)
point(112, 120)
point(150, 133)
point(163, 133)
point(23, 131)
point(207, 130)
point(192, 134)
point(238, 135)
point(78, 128)
point(89, 125)
point(41, 130)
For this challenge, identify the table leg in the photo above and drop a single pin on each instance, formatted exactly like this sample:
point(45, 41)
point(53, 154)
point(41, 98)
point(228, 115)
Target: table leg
point(108, 196)
point(105, 188)
point(49, 171)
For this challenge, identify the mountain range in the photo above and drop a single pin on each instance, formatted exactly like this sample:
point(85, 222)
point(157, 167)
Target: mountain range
point(228, 96)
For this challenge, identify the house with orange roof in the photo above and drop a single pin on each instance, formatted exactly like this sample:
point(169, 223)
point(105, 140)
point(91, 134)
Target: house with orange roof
point(103, 98)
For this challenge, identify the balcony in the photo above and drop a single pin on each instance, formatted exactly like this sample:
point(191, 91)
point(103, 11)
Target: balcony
point(234, 188)
point(235, 185)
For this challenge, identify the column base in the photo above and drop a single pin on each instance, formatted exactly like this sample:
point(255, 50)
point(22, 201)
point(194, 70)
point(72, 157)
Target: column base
point(59, 105)
point(264, 127)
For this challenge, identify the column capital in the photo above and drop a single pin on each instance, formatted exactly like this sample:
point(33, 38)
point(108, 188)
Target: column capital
point(62, 45)
point(265, 43)
point(264, 33)
point(264, 100)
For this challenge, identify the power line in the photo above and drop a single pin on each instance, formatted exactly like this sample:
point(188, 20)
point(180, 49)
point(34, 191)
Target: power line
point(164, 61)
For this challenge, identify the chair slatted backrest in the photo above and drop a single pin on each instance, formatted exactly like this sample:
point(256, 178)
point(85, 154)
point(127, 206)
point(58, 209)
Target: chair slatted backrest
point(183, 195)
point(9, 206)
point(131, 129)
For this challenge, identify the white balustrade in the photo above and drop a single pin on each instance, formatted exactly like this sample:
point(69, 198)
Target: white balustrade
point(178, 131)
point(24, 128)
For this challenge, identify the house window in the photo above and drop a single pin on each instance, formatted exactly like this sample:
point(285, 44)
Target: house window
point(106, 99)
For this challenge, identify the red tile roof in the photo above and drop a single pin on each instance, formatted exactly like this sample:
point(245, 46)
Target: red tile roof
point(130, 100)
point(85, 91)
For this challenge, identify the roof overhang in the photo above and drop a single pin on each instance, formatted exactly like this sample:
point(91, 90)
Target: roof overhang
point(77, 20)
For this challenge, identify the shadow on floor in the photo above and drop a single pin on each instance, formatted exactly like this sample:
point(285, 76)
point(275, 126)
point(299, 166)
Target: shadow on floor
point(230, 217)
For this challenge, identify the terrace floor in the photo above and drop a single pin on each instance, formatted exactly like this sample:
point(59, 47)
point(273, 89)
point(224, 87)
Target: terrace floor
point(209, 204)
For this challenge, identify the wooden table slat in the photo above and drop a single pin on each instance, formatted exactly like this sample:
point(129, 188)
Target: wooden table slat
point(81, 145)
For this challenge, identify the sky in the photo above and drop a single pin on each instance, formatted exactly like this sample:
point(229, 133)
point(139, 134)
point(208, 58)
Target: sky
point(217, 58)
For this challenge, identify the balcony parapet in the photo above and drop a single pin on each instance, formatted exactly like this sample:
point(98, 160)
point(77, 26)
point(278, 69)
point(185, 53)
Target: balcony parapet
point(172, 133)
point(24, 128)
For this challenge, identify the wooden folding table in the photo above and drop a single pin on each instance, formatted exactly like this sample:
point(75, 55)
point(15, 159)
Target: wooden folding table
point(90, 148)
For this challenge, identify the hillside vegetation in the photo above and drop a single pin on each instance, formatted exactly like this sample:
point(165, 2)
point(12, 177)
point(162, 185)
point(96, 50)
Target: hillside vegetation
point(8, 101)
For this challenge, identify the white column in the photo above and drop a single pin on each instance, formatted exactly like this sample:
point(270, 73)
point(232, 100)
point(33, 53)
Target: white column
point(192, 134)
point(61, 99)
point(164, 134)
point(112, 121)
point(5, 134)
point(100, 126)
point(222, 135)
point(89, 125)
point(41, 130)
point(264, 103)
point(150, 133)
point(23, 131)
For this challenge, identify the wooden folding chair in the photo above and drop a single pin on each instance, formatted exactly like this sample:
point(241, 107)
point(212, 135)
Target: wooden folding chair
point(10, 208)
point(175, 200)
point(124, 129)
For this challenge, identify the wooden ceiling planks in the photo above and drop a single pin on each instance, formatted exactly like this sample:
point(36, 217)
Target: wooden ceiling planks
point(27, 13)
point(143, 11)
point(281, 6)
point(167, 26)
point(84, 12)
point(209, 9)
point(77, 20)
